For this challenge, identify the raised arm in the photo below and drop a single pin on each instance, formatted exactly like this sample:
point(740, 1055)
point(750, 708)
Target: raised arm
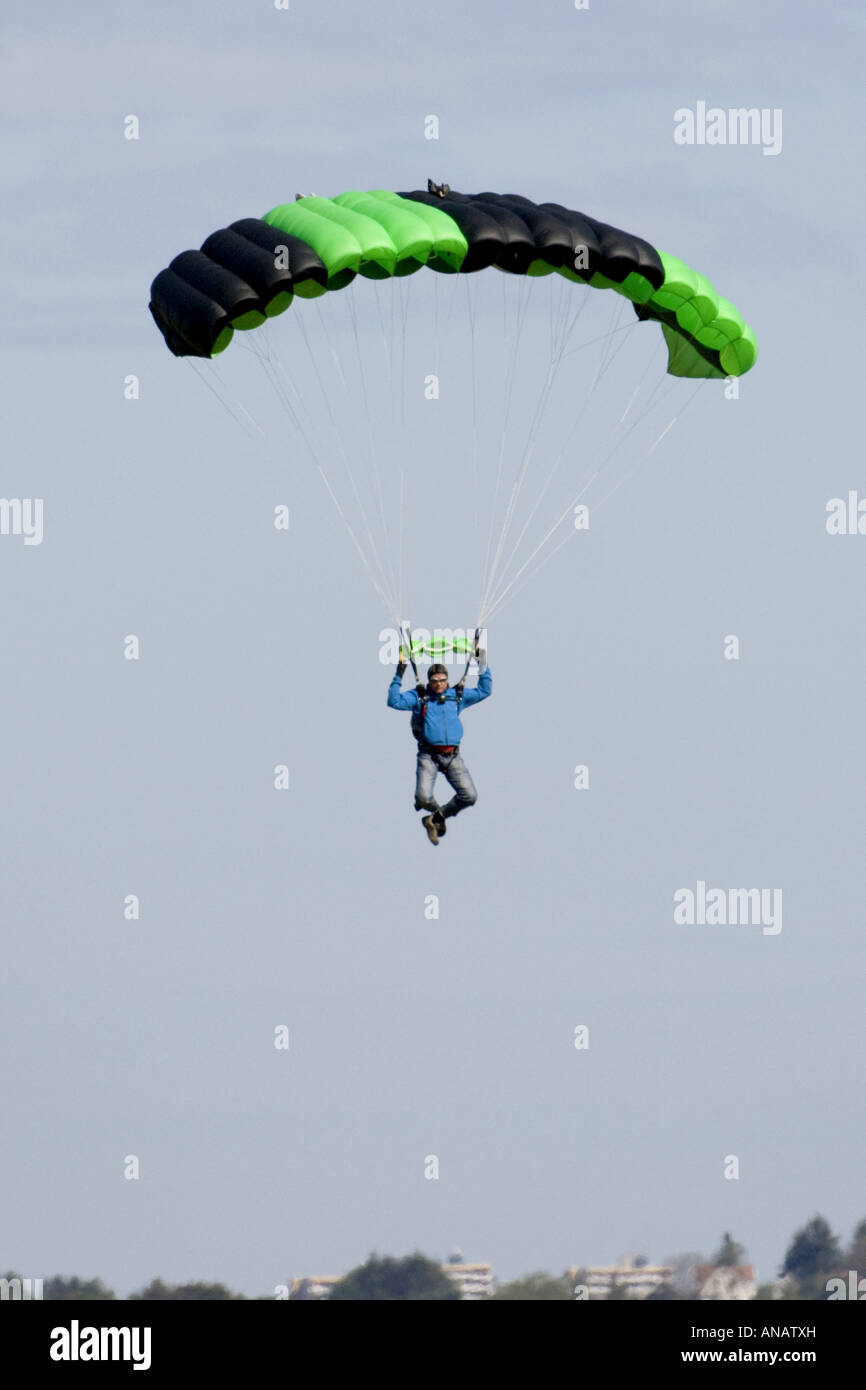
point(399, 699)
point(482, 689)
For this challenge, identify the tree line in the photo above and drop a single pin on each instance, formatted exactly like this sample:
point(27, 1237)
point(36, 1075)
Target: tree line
point(814, 1256)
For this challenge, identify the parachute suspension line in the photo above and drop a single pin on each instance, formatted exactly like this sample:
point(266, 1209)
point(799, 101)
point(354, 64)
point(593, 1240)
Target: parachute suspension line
point(386, 599)
point(399, 301)
point(386, 347)
point(274, 371)
point(515, 588)
point(527, 578)
point(561, 455)
point(223, 400)
point(560, 331)
point(669, 426)
point(374, 551)
point(388, 340)
point(395, 405)
point(567, 537)
point(262, 349)
point(333, 352)
point(260, 431)
point(405, 290)
point(499, 598)
point(496, 602)
point(625, 328)
point(345, 446)
point(400, 577)
point(283, 388)
point(602, 368)
point(510, 364)
point(403, 306)
point(441, 325)
point(559, 313)
point(471, 312)
point(635, 393)
point(562, 326)
point(403, 311)
point(436, 325)
point(374, 457)
point(608, 352)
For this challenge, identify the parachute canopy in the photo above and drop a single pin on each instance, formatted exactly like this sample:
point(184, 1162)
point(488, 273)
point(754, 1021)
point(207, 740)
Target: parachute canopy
point(251, 270)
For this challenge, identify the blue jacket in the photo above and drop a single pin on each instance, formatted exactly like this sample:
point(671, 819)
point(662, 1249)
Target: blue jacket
point(442, 724)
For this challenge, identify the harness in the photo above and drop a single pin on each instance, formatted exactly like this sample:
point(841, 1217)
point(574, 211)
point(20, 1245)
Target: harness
point(419, 715)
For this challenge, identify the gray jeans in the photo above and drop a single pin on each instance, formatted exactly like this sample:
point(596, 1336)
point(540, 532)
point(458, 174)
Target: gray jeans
point(454, 770)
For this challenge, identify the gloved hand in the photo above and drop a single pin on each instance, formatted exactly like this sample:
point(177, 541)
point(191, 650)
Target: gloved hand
point(480, 657)
point(401, 667)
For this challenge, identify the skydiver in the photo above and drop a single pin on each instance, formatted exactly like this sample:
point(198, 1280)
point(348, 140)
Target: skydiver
point(437, 727)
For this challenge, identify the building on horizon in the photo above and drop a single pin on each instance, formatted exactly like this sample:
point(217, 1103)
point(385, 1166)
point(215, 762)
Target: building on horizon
point(634, 1276)
point(313, 1286)
point(474, 1281)
point(725, 1282)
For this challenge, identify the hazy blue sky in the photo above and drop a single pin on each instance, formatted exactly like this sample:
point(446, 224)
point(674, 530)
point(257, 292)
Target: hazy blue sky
point(411, 1037)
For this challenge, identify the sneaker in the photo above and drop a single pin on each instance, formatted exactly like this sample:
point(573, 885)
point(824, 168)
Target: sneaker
point(430, 825)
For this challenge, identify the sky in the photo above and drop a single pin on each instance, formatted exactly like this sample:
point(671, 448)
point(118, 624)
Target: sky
point(414, 1036)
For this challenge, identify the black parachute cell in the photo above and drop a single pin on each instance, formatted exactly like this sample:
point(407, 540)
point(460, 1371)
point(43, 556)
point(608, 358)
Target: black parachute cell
point(624, 252)
point(189, 320)
point(544, 231)
point(612, 252)
point(233, 293)
point(238, 271)
point(519, 243)
point(482, 232)
point(252, 263)
point(585, 239)
point(178, 345)
point(551, 237)
point(519, 248)
point(304, 264)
